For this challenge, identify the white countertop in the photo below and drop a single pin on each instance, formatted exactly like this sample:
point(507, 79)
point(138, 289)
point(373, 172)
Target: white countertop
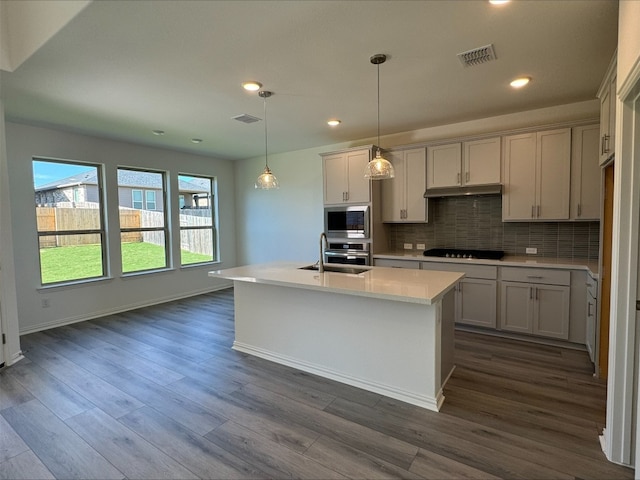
point(412, 286)
point(507, 261)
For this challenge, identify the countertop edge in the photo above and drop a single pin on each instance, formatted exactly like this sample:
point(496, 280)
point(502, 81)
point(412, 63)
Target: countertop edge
point(507, 261)
point(229, 274)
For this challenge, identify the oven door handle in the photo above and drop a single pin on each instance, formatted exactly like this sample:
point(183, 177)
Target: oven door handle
point(330, 253)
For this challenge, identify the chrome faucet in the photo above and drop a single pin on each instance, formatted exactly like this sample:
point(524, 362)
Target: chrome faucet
point(321, 261)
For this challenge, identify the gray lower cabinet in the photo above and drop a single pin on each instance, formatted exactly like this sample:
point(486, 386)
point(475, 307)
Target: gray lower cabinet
point(476, 294)
point(476, 303)
point(391, 263)
point(536, 302)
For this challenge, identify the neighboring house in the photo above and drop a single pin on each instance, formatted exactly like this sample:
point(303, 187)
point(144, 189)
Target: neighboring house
point(138, 190)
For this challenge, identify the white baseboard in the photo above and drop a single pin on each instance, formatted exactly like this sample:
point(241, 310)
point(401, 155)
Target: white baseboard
point(120, 309)
point(423, 401)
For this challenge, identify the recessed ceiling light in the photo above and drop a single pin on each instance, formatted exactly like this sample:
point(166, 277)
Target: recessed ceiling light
point(196, 140)
point(252, 86)
point(520, 82)
point(334, 122)
point(498, 2)
point(158, 132)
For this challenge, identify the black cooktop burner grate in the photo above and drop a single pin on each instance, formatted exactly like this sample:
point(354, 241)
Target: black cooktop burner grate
point(460, 253)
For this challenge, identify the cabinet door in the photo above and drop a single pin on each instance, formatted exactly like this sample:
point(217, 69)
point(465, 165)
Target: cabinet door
point(477, 302)
point(551, 311)
point(393, 190)
point(358, 190)
point(605, 115)
point(585, 173)
point(518, 195)
point(590, 337)
point(335, 178)
point(517, 307)
point(415, 185)
point(481, 160)
point(610, 146)
point(444, 165)
point(553, 170)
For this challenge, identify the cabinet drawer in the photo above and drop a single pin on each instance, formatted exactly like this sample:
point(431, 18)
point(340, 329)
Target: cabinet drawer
point(536, 275)
point(387, 262)
point(471, 271)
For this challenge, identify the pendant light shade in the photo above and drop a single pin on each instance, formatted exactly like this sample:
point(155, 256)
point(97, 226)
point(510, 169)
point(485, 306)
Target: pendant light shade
point(267, 180)
point(379, 168)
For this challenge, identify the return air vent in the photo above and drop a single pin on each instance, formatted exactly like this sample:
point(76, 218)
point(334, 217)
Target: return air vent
point(477, 56)
point(246, 118)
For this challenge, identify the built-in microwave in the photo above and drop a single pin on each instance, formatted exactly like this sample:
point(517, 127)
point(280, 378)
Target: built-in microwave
point(347, 222)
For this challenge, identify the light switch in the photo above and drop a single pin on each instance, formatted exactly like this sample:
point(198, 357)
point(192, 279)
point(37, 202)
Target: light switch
point(408, 246)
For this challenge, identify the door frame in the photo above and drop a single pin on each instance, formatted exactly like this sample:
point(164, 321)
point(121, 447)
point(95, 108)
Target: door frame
point(622, 407)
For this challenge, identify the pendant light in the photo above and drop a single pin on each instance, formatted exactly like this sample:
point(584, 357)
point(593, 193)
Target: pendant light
point(267, 180)
point(379, 168)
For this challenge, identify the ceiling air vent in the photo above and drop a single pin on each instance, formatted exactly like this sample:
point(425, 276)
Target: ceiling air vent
point(477, 56)
point(246, 118)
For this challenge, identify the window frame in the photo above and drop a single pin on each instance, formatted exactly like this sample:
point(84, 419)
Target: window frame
point(164, 229)
point(147, 202)
point(213, 206)
point(101, 232)
point(133, 198)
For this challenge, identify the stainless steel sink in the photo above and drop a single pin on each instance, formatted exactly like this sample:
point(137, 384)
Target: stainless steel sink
point(338, 269)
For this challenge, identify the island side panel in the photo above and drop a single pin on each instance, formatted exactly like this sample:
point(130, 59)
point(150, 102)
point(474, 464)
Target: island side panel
point(447, 345)
point(385, 346)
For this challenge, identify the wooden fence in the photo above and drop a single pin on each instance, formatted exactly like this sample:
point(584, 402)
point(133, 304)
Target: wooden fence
point(53, 219)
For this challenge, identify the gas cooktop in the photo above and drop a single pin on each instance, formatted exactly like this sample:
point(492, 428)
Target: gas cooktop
point(459, 253)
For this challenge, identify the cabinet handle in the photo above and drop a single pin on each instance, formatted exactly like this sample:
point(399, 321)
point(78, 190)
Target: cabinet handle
point(538, 214)
point(533, 214)
point(605, 143)
point(536, 294)
point(346, 195)
point(579, 210)
point(530, 293)
point(467, 176)
point(589, 305)
point(458, 178)
point(534, 276)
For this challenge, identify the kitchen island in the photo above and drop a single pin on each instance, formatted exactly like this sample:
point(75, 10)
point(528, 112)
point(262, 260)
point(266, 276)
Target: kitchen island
point(385, 330)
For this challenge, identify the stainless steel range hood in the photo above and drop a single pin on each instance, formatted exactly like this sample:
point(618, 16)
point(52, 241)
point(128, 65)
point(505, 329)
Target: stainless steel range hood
point(463, 191)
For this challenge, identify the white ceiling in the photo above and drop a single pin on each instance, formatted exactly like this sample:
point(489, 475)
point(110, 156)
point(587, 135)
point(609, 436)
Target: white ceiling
point(123, 68)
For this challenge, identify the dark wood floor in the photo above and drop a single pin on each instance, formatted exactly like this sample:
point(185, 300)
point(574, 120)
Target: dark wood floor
point(158, 393)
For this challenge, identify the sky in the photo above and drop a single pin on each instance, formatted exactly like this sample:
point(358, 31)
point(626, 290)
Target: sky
point(45, 172)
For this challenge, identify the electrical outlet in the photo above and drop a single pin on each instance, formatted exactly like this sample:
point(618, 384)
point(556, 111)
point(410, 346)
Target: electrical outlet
point(420, 246)
point(45, 303)
point(532, 251)
point(408, 246)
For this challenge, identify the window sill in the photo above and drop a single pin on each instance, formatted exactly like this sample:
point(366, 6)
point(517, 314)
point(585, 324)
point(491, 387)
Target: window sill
point(73, 284)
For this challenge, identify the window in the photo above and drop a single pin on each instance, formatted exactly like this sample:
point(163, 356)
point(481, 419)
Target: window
point(143, 233)
point(150, 197)
point(70, 234)
point(198, 235)
point(136, 199)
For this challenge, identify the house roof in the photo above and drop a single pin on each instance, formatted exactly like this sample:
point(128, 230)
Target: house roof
point(127, 178)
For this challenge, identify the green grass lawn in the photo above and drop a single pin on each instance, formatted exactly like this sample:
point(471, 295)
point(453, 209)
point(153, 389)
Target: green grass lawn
point(60, 264)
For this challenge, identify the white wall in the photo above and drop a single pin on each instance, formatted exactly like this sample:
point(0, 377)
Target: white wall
point(285, 224)
point(628, 39)
point(8, 299)
point(27, 25)
point(93, 299)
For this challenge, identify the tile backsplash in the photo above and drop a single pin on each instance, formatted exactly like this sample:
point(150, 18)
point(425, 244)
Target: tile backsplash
point(475, 222)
